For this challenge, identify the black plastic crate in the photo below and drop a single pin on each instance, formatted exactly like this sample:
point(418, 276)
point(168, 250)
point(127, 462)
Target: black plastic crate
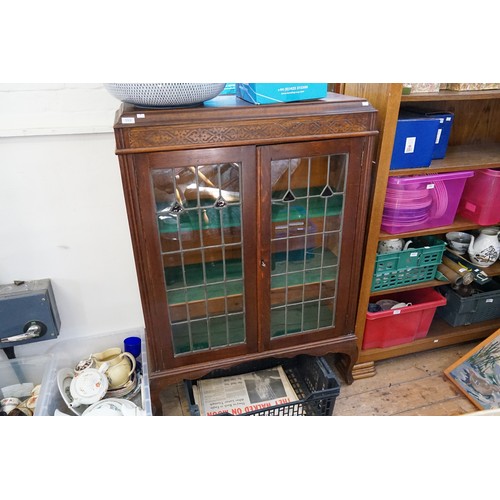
point(481, 306)
point(311, 377)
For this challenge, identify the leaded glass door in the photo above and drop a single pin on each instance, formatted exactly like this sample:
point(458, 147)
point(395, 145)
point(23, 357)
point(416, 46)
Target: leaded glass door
point(205, 268)
point(304, 245)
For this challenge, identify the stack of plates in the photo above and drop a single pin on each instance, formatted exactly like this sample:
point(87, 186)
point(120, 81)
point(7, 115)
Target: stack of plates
point(408, 207)
point(412, 204)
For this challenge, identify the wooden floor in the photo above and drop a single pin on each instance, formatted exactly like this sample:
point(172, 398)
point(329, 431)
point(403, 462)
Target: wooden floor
point(408, 385)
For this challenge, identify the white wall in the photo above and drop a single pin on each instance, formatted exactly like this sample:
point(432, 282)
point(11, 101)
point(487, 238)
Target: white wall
point(62, 207)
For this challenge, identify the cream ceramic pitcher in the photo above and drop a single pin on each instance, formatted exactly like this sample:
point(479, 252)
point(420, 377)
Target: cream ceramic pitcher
point(120, 365)
point(485, 249)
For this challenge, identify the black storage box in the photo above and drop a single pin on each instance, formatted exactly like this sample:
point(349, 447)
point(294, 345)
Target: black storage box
point(311, 377)
point(481, 306)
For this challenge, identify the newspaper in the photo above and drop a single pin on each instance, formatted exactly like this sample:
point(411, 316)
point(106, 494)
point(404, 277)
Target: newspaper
point(244, 393)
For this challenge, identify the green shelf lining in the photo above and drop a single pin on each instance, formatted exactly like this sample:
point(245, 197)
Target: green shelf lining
point(231, 214)
point(214, 288)
point(222, 333)
point(232, 332)
point(294, 320)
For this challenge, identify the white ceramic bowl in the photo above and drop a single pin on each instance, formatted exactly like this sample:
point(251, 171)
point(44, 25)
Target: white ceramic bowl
point(458, 241)
point(162, 95)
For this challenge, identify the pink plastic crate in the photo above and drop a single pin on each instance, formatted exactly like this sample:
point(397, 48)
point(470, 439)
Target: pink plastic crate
point(480, 201)
point(401, 326)
point(422, 201)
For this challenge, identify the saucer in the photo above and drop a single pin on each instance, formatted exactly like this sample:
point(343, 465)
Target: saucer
point(121, 392)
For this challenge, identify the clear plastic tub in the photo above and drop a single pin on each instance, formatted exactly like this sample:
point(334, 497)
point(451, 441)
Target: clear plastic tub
point(30, 369)
point(67, 353)
point(480, 201)
point(422, 201)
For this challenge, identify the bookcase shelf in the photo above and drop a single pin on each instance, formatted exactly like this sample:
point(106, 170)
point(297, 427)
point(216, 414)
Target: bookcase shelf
point(474, 144)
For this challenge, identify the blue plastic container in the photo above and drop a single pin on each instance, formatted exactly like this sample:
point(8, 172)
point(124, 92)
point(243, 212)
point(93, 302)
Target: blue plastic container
point(444, 129)
point(414, 141)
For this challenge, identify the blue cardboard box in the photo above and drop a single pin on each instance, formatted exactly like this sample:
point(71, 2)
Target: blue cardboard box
point(272, 93)
point(229, 89)
point(414, 141)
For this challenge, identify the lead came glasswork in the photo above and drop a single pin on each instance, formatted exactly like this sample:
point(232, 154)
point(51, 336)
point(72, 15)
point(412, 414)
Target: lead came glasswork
point(200, 230)
point(306, 220)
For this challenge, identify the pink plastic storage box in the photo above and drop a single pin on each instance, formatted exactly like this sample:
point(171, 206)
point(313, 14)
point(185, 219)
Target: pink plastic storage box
point(401, 326)
point(422, 201)
point(480, 201)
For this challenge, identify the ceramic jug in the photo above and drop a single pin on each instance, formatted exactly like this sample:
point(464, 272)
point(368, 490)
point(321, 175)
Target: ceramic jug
point(485, 249)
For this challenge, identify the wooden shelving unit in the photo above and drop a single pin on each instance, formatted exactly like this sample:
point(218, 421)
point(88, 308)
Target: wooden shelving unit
point(461, 157)
point(474, 144)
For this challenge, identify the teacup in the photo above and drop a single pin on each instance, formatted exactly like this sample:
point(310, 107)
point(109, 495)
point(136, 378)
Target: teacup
point(121, 365)
point(8, 404)
point(84, 364)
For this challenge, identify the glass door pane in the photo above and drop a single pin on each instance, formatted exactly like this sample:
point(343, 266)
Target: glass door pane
point(307, 204)
point(199, 220)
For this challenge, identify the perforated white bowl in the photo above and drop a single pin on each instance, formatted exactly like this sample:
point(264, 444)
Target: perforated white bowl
point(161, 95)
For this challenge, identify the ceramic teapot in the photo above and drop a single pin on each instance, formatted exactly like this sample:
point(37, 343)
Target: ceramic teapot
point(485, 249)
point(394, 245)
point(89, 387)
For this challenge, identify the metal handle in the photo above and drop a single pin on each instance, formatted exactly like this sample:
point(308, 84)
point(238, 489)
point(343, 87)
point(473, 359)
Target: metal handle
point(32, 332)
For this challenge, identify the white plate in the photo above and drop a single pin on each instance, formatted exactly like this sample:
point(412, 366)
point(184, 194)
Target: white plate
point(64, 378)
point(113, 407)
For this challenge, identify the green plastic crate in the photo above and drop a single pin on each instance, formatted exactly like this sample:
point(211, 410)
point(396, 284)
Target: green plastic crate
point(415, 265)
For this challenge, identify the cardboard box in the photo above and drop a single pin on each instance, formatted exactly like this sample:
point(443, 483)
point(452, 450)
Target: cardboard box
point(273, 93)
point(464, 87)
point(229, 89)
point(423, 87)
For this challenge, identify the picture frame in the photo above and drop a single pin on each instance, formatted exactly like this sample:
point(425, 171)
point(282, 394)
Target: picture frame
point(477, 373)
